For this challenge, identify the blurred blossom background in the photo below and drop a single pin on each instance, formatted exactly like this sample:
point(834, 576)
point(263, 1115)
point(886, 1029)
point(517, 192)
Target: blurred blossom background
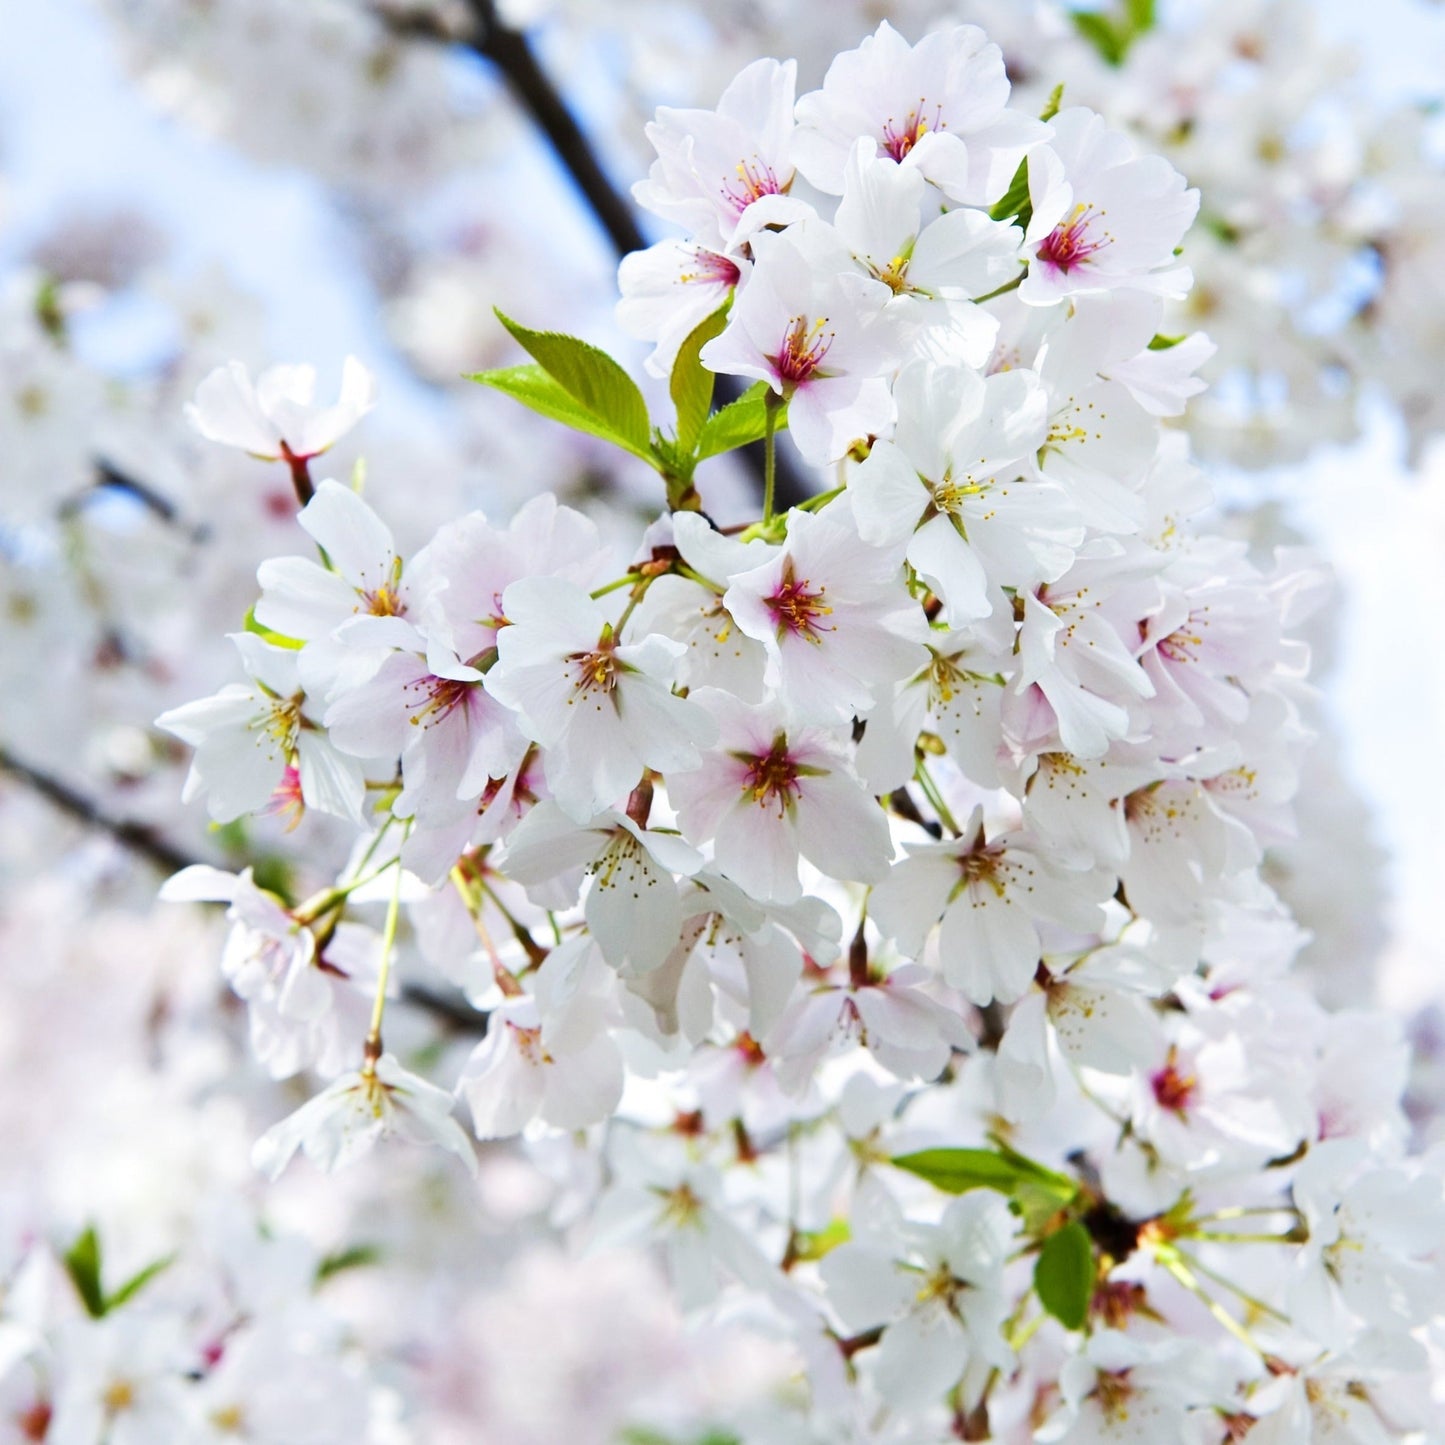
point(184, 182)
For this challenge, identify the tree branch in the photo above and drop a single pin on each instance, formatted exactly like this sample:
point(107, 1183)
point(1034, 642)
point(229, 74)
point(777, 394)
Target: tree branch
point(140, 838)
point(512, 54)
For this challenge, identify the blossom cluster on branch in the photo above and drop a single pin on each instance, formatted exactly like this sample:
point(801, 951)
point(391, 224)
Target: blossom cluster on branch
point(864, 902)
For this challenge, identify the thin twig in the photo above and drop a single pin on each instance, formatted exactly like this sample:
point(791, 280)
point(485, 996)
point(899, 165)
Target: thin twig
point(511, 52)
point(139, 838)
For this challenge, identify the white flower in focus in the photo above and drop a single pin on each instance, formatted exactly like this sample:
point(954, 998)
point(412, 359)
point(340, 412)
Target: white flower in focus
point(277, 416)
point(668, 290)
point(834, 616)
point(818, 336)
point(1104, 217)
point(991, 897)
point(302, 599)
point(939, 107)
point(602, 709)
point(959, 483)
point(246, 737)
point(936, 1289)
point(770, 791)
point(632, 908)
point(347, 1118)
point(724, 174)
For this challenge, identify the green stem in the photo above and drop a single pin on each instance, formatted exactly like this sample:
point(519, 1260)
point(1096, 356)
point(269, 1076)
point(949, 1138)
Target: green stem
point(1002, 290)
point(935, 799)
point(371, 1052)
point(772, 405)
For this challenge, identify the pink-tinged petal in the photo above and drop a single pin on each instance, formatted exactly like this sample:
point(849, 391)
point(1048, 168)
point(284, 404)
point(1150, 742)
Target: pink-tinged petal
point(357, 541)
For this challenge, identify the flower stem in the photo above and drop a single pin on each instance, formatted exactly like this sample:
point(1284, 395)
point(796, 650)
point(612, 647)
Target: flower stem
point(371, 1052)
point(772, 404)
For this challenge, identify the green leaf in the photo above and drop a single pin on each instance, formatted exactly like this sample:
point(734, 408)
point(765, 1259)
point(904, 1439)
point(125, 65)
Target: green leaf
point(1055, 100)
point(1014, 204)
point(815, 1243)
point(353, 1258)
point(738, 423)
point(544, 394)
point(1163, 343)
point(591, 378)
point(1064, 1275)
point(1037, 1193)
point(1102, 34)
point(691, 383)
point(1140, 15)
point(82, 1264)
point(137, 1282)
point(956, 1171)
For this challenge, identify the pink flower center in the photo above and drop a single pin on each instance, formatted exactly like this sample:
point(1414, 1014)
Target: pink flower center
point(803, 349)
point(1172, 1089)
point(1074, 240)
point(441, 696)
point(710, 269)
point(900, 138)
point(772, 778)
point(755, 179)
point(796, 609)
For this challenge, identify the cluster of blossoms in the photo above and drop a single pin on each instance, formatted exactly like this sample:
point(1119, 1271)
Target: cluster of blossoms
point(906, 845)
point(1315, 258)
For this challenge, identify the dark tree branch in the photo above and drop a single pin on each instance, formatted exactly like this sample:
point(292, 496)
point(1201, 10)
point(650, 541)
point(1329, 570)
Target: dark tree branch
point(512, 54)
point(140, 838)
point(449, 1010)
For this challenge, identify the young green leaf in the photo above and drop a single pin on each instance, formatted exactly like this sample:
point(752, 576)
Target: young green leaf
point(82, 1264)
point(956, 1171)
point(738, 424)
point(353, 1258)
point(1014, 205)
point(1103, 34)
point(591, 378)
point(535, 388)
point(691, 384)
point(1140, 15)
point(137, 1282)
point(1064, 1275)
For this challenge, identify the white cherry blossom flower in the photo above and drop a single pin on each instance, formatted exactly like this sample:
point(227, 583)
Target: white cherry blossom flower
point(548, 1056)
point(1104, 217)
point(832, 612)
point(939, 107)
point(937, 1290)
point(1122, 1390)
point(302, 599)
point(935, 265)
point(991, 897)
point(246, 737)
point(347, 1118)
point(632, 907)
point(277, 416)
point(958, 482)
point(670, 289)
point(724, 174)
point(821, 338)
point(602, 709)
point(772, 790)
point(911, 1035)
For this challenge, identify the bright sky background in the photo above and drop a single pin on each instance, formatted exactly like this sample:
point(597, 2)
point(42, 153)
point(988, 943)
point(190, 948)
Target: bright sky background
point(74, 128)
